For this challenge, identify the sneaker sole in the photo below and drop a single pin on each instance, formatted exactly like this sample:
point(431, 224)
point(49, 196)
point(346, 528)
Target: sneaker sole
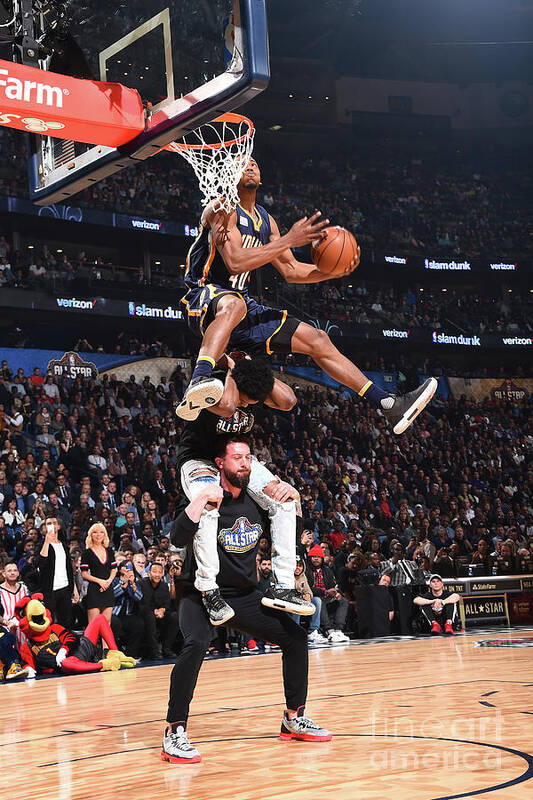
point(222, 621)
point(304, 737)
point(419, 405)
point(285, 605)
point(175, 760)
point(17, 676)
point(199, 397)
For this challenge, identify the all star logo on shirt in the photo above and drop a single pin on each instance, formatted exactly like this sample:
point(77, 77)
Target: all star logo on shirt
point(240, 422)
point(241, 537)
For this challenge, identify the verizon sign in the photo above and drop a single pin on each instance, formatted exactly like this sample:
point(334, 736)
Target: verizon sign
point(43, 102)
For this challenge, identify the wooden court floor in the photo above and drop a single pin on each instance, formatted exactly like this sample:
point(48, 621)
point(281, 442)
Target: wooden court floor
point(422, 719)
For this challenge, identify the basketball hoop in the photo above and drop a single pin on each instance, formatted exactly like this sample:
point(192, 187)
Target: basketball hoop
point(218, 152)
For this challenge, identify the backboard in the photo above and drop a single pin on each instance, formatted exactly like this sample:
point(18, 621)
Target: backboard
point(189, 61)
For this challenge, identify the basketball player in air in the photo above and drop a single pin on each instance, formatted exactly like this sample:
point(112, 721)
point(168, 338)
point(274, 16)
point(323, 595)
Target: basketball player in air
point(219, 309)
point(246, 383)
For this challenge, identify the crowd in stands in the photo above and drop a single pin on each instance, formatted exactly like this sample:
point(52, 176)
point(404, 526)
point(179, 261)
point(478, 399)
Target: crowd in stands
point(343, 302)
point(452, 496)
point(443, 201)
point(489, 312)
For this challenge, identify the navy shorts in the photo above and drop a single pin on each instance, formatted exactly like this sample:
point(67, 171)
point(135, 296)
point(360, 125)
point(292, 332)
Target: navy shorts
point(261, 330)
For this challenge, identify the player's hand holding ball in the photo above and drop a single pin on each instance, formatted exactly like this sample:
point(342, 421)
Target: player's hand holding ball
point(336, 253)
point(307, 230)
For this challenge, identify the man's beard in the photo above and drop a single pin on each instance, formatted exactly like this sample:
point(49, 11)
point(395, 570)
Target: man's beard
point(240, 480)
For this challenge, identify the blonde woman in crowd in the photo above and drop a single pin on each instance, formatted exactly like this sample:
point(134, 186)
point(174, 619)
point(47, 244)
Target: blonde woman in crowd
point(98, 568)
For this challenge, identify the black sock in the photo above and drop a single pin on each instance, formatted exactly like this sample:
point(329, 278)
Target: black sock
point(204, 367)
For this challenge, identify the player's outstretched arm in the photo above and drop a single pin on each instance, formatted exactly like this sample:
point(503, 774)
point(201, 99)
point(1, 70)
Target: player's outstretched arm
point(239, 259)
point(297, 271)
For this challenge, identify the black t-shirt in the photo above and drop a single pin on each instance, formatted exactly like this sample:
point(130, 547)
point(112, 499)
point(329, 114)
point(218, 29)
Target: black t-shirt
point(430, 596)
point(198, 439)
point(241, 524)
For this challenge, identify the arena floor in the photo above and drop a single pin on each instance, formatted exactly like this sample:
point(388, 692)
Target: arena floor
point(423, 719)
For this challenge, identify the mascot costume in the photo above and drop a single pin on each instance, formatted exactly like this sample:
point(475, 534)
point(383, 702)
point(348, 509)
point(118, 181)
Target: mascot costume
point(52, 648)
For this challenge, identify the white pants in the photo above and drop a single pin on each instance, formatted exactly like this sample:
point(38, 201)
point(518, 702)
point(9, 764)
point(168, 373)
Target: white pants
point(194, 476)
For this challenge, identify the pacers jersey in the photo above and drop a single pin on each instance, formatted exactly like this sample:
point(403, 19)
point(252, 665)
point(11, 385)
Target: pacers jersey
point(205, 265)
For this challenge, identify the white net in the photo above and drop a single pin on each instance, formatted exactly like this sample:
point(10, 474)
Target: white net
point(218, 152)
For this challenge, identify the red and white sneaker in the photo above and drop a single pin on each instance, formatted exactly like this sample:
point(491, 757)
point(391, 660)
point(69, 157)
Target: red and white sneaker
point(177, 749)
point(435, 628)
point(302, 728)
point(448, 628)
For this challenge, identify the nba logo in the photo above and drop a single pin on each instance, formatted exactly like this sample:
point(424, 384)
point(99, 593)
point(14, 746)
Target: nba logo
point(131, 309)
point(434, 334)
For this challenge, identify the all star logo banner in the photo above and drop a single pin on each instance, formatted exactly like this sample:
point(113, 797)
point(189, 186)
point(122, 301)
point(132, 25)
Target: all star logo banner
point(72, 366)
point(95, 112)
point(241, 537)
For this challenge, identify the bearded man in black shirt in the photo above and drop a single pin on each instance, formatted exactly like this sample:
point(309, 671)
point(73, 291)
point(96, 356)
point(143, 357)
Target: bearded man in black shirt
point(246, 383)
point(241, 524)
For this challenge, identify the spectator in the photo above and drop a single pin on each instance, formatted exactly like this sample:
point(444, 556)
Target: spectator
point(438, 606)
point(160, 620)
point(99, 569)
point(302, 585)
point(56, 575)
point(264, 574)
point(323, 584)
point(11, 591)
point(127, 622)
point(402, 571)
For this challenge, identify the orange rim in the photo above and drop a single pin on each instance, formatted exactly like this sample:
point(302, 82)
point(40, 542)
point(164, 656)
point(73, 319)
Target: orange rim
point(228, 117)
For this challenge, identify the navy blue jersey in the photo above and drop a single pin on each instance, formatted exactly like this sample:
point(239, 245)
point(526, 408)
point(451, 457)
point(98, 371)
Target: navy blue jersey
point(205, 265)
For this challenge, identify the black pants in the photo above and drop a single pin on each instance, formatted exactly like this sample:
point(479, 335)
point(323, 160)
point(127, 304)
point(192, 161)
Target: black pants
point(446, 615)
point(403, 610)
point(60, 605)
point(252, 618)
point(128, 630)
point(160, 631)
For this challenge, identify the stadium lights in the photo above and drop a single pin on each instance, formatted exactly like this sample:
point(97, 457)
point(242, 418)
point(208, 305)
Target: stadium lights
point(59, 250)
point(30, 247)
point(157, 263)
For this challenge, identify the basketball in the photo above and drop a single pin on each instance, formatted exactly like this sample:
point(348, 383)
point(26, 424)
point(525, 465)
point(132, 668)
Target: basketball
point(334, 253)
